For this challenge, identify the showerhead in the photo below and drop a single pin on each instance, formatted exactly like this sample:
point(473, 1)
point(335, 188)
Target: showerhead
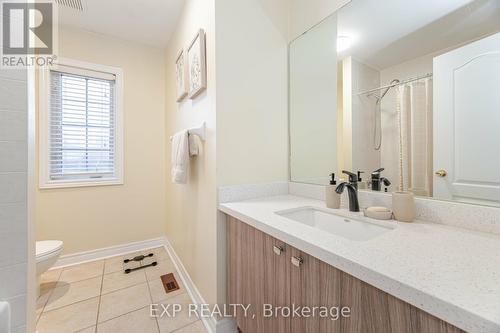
point(379, 97)
point(389, 88)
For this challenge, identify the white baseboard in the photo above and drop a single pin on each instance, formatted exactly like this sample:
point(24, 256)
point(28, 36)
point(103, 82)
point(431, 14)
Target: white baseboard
point(210, 323)
point(86, 256)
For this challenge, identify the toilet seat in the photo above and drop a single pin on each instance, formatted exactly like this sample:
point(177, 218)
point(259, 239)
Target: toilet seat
point(47, 248)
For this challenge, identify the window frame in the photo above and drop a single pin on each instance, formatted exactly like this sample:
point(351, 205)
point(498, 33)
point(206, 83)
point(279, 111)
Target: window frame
point(45, 182)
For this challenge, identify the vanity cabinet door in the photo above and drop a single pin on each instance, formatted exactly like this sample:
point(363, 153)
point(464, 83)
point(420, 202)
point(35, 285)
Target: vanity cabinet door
point(234, 276)
point(313, 283)
point(276, 282)
point(245, 272)
point(370, 308)
point(257, 274)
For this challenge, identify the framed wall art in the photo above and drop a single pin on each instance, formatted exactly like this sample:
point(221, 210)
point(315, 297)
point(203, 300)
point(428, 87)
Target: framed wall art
point(181, 69)
point(197, 65)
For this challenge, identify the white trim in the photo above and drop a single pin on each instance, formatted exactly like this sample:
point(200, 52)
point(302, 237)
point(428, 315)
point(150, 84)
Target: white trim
point(84, 71)
point(107, 252)
point(209, 323)
point(79, 183)
point(43, 116)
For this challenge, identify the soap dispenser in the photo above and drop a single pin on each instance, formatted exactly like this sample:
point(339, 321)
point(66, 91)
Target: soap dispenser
point(332, 197)
point(361, 184)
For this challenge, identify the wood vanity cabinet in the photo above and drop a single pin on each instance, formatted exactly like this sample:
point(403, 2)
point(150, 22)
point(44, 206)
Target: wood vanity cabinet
point(260, 271)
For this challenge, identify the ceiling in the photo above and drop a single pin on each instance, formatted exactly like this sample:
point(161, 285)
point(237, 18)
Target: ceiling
point(387, 33)
point(149, 22)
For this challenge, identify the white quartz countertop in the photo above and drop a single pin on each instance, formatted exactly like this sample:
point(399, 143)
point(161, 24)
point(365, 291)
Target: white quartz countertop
point(451, 273)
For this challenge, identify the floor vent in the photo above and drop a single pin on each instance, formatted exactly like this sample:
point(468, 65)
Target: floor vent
point(73, 4)
point(169, 283)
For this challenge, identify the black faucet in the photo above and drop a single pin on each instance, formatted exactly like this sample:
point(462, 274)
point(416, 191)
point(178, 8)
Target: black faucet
point(353, 178)
point(352, 191)
point(385, 181)
point(377, 181)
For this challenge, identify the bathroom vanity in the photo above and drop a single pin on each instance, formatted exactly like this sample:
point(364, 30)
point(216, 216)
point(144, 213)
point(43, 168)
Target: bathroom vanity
point(413, 103)
point(264, 270)
point(402, 277)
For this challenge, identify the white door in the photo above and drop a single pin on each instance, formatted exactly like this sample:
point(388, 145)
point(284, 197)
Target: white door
point(467, 122)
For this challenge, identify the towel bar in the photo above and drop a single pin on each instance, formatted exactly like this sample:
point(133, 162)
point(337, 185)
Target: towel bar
point(198, 131)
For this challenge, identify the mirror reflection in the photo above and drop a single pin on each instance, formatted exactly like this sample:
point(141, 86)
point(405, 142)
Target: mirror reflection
point(403, 95)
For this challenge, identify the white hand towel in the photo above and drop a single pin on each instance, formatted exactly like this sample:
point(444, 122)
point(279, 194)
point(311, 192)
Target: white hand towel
point(180, 157)
point(194, 149)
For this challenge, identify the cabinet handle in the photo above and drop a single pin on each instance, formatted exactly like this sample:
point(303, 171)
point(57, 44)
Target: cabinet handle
point(297, 261)
point(278, 250)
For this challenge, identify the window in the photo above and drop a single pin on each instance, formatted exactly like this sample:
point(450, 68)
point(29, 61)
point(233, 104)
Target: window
point(80, 126)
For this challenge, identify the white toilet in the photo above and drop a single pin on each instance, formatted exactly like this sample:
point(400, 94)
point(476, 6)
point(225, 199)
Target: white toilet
point(47, 253)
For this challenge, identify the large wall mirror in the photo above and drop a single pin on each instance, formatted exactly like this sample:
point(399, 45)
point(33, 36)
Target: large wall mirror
point(405, 93)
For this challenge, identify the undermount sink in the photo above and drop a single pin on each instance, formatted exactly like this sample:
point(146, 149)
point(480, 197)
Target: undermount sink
point(323, 220)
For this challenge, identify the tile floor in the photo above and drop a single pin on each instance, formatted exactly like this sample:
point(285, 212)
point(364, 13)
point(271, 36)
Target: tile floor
point(97, 297)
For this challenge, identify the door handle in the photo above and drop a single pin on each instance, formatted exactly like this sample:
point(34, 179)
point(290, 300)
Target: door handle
point(278, 250)
point(297, 261)
point(441, 173)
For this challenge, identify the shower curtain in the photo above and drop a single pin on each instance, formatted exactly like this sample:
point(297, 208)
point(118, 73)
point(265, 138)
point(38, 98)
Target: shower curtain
point(414, 106)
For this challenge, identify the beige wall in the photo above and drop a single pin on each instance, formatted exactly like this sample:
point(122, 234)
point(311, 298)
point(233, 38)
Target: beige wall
point(192, 208)
point(252, 133)
point(95, 217)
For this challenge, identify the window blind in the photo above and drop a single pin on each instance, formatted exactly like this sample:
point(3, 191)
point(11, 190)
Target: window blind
point(81, 127)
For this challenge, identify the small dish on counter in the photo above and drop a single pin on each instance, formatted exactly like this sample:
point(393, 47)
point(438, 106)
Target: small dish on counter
point(378, 213)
